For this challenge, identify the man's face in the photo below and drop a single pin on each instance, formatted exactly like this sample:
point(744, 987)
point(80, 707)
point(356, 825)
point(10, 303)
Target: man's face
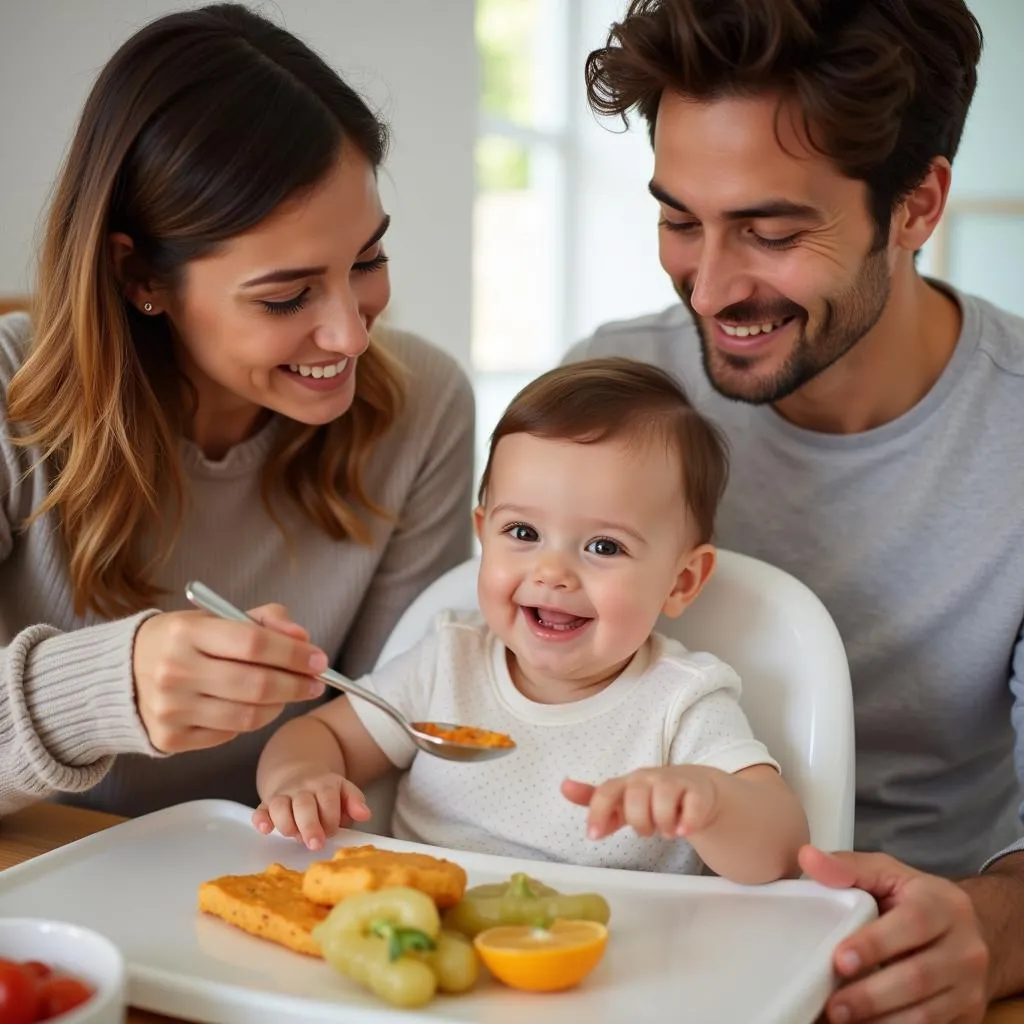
point(773, 250)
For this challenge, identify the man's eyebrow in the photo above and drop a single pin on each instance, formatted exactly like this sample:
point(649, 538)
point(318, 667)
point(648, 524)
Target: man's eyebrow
point(665, 199)
point(286, 274)
point(767, 210)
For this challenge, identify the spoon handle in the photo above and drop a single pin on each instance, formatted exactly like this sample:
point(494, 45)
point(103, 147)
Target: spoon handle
point(209, 600)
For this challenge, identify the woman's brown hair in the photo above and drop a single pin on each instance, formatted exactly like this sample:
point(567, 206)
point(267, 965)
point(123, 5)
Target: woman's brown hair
point(198, 127)
point(884, 86)
point(610, 398)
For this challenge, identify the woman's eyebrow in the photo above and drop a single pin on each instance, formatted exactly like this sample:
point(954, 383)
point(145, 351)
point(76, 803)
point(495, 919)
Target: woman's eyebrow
point(286, 274)
point(378, 234)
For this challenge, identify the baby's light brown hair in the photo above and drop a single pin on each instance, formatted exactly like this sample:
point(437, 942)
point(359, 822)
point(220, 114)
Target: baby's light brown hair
point(611, 398)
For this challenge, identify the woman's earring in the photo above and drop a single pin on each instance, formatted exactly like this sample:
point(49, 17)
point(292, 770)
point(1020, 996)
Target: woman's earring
point(148, 307)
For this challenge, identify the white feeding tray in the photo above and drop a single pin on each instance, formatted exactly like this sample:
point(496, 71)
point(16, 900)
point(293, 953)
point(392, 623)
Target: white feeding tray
point(680, 948)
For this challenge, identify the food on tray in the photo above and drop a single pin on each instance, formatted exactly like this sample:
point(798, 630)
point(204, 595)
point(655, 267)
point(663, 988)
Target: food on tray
point(32, 991)
point(466, 734)
point(270, 905)
point(522, 901)
point(284, 906)
point(543, 959)
point(453, 961)
point(374, 915)
point(355, 869)
point(390, 941)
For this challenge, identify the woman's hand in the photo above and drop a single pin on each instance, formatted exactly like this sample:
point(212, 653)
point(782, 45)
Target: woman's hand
point(201, 681)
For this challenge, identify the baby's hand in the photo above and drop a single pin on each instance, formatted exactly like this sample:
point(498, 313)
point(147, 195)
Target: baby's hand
point(678, 800)
point(312, 808)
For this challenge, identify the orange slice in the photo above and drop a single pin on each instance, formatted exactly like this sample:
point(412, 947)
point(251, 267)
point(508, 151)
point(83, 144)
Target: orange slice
point(542, 959)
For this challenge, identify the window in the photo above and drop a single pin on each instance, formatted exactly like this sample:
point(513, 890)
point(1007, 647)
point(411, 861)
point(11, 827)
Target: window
point(564, 231)
point(519, 231)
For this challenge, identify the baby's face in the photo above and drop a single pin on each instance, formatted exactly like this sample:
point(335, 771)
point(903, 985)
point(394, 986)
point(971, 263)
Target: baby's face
point(582, 546)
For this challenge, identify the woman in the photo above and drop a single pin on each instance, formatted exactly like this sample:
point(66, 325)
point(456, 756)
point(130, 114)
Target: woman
point(198, 396)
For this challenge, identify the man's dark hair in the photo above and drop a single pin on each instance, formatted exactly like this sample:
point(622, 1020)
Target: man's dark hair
point(884, 86)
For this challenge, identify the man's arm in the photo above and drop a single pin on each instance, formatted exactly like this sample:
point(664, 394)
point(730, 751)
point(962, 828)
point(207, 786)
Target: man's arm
point(944, 948)
point(997, 892)
point(998, 898)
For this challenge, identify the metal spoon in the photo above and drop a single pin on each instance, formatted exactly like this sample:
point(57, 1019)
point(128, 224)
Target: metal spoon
point(203, 597)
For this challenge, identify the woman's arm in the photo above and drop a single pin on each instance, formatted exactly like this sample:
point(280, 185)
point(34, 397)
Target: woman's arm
point(67, 705)
point(66, 710)
point(71, 701)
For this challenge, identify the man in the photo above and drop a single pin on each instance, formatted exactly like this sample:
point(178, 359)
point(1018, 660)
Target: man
point(802, 158)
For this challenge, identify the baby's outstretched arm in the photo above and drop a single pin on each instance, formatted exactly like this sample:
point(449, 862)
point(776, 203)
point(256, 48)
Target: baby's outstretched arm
point(747, 826)
point(310, 771)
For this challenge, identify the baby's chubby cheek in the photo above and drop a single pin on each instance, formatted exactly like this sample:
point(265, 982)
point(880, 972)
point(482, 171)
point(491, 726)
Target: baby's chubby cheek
point(497, 602)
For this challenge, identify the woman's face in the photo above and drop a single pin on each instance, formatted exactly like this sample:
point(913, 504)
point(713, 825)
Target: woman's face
point(276, 318)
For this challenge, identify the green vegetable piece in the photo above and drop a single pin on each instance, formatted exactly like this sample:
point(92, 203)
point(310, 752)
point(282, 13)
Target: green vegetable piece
point(453, 960)
point(376, 939)
point(400, 940)
point(522, 900)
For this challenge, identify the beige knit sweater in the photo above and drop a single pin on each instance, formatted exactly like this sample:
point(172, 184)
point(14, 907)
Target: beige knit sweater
point(68, 722)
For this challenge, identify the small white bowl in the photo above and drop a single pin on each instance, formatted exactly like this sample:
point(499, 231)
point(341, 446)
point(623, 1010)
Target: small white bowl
point(76, 951)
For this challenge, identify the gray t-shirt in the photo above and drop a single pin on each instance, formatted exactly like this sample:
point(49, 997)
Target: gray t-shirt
point(913, 536)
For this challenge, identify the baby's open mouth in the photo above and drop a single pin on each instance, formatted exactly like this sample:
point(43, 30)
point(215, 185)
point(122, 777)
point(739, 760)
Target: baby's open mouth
point(555, 620)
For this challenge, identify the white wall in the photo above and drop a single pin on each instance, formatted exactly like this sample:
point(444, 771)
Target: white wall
point(413, 59)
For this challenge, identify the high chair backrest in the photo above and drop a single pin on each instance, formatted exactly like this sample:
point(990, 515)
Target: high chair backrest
point(781, 640)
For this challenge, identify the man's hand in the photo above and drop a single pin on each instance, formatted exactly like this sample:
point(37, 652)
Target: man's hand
point(923, 961)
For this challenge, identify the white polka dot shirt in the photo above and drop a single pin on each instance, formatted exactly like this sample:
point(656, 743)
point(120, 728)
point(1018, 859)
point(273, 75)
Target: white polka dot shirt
point(669, 706)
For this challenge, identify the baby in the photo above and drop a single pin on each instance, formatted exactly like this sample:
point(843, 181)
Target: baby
point(595, 516)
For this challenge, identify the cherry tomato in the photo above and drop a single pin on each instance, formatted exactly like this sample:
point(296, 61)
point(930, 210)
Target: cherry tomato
point(62, 994)
point(19, 995)
point(37, 969)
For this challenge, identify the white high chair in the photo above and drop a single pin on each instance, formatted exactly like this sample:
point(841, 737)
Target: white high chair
point(781, 640)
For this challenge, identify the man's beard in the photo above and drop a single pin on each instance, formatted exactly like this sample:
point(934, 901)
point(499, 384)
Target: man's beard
point(846, 319)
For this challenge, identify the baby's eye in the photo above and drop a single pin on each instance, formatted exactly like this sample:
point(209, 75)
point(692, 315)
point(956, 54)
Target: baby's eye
point(520, 531)
point(604, 546)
